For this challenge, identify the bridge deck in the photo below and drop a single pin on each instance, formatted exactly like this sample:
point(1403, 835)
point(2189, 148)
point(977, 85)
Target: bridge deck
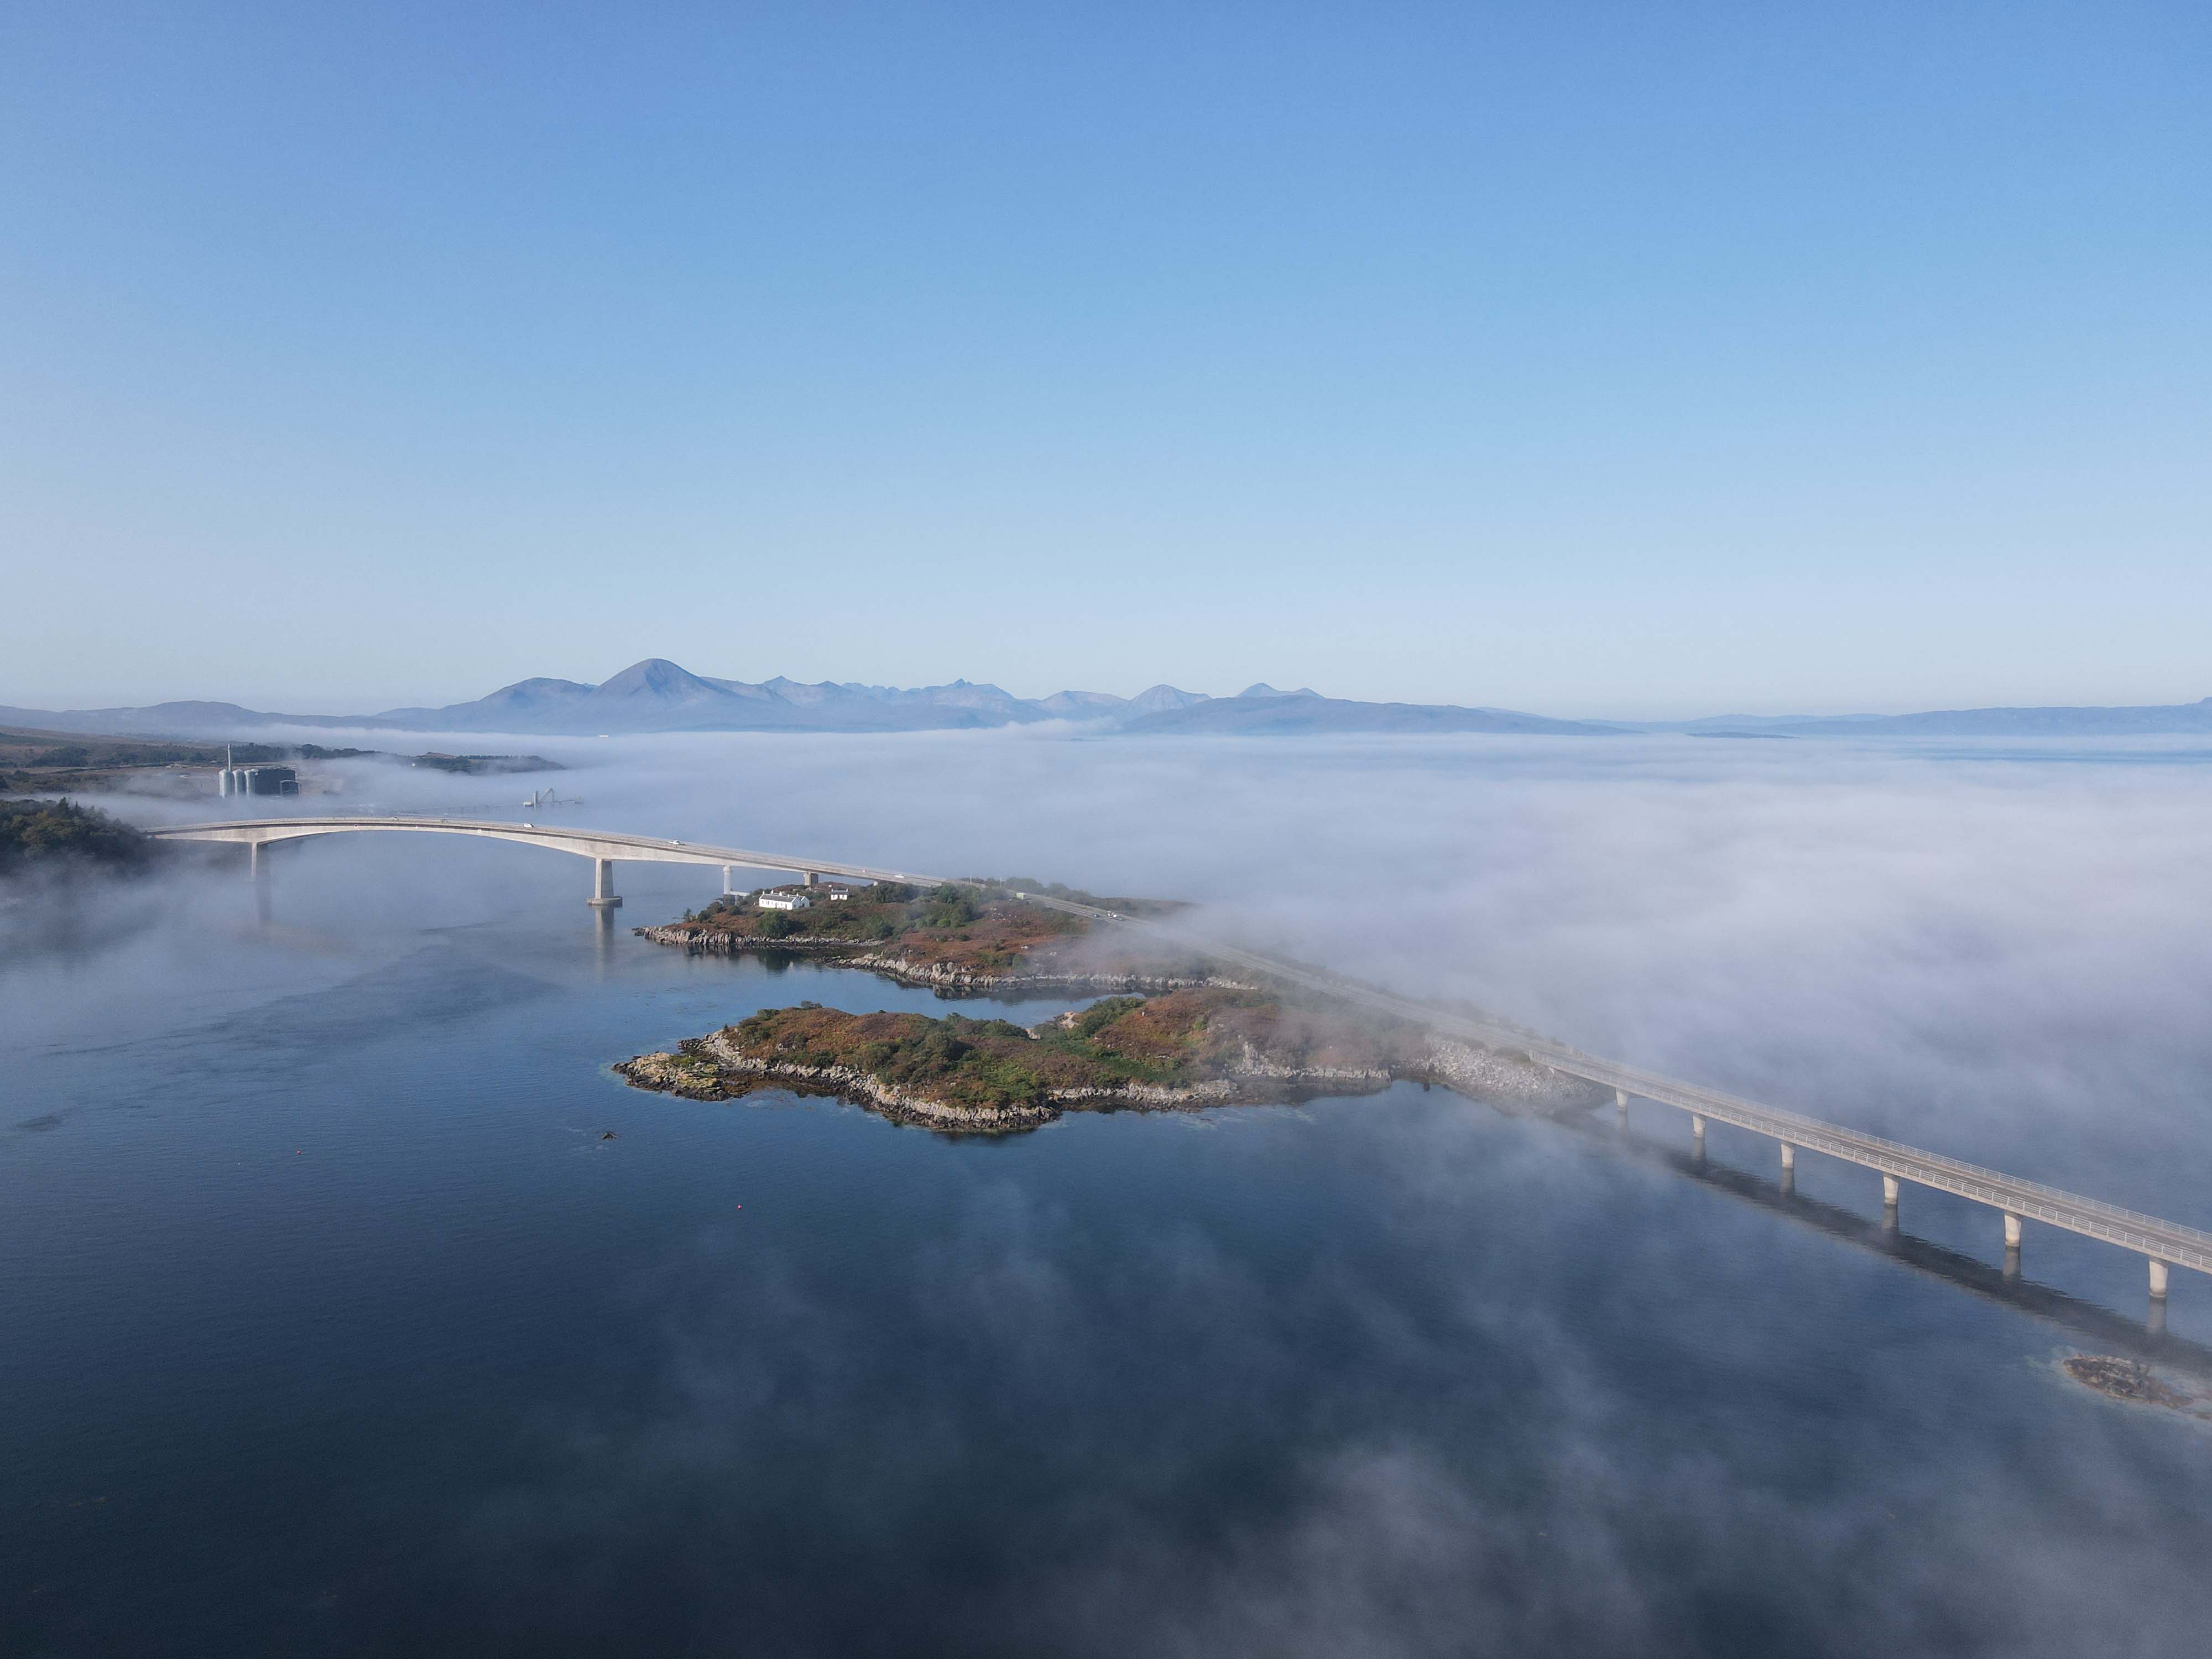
point(584, 843)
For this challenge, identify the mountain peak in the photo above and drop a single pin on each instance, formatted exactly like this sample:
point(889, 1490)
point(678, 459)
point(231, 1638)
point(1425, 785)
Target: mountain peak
point(656, 677)
point(1164, 697)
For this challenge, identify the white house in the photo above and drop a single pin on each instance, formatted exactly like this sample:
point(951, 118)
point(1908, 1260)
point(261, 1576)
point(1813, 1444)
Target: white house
point(786, 898)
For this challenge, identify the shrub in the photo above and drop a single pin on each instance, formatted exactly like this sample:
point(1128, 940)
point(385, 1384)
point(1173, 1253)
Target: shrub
point(950, 907)
point(1100, 1014)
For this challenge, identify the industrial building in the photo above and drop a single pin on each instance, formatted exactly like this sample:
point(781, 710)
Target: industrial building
point(256, 780)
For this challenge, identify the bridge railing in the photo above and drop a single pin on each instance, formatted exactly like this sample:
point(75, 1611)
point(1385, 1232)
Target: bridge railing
point(1656, 1086)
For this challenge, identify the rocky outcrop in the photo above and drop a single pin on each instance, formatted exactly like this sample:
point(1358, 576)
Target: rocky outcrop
point(951, 981)
point(712, 942)
point(1298, 1056)
point(947, 979)
point(711, 1068)
point(1502, 1079)
point(714, 1068)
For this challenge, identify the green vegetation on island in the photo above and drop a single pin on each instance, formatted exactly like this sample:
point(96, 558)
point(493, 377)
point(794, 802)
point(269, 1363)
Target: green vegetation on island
point(1208, 1045)
point(62, 833)
point(973, 936)
point(1196, 1037)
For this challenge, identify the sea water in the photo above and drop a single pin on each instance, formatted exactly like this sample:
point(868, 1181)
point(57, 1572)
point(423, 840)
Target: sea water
point(352, 1306)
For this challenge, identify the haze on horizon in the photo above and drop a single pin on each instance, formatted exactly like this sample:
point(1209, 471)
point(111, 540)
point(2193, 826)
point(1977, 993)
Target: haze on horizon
point(1592, 362)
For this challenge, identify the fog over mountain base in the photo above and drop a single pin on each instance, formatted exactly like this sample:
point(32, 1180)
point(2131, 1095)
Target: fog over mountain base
point(339, 1327)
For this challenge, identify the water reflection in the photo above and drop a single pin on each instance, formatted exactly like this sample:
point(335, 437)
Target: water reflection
point(2147, 1339)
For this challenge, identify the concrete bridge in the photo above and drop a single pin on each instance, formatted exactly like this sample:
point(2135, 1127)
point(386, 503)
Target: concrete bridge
point(2163, 1243)
point(602, 846)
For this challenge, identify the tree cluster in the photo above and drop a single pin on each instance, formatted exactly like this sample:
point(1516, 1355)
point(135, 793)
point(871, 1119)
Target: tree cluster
point(40, 832)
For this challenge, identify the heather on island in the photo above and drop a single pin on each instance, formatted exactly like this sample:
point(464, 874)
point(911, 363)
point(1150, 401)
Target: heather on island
point(959, 937)
point(1205, 1046)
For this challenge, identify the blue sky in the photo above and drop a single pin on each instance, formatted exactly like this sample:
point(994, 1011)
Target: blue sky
point(1593, 359)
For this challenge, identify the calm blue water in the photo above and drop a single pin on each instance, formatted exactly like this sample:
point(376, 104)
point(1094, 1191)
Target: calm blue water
point(333, 1324)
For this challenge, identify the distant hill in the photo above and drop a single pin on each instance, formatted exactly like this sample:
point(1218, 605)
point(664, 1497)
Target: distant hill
point(660, 695)
point(2154, 721)
point(2162, 719)
point(162, 720)
point(1263, 712)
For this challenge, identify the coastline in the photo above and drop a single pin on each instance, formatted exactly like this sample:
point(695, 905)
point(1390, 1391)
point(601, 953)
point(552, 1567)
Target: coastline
point(945, 978)
point(712, 1068)
point(1193, 1036)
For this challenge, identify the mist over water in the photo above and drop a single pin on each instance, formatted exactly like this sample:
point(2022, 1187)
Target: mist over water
point(338, 1327)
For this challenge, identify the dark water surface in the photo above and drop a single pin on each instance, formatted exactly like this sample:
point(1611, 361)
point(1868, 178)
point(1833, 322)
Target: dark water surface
point(332, 1323)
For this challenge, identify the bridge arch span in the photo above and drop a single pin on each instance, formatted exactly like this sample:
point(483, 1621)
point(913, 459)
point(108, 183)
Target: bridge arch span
point(602, 847)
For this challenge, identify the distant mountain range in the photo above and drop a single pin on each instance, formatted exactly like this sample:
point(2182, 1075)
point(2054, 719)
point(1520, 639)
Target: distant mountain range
point(659, 695)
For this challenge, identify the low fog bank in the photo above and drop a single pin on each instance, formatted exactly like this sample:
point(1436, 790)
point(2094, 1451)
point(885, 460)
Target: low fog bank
point(1509, 1394)
point(2004, 953)
point(1447, 1419)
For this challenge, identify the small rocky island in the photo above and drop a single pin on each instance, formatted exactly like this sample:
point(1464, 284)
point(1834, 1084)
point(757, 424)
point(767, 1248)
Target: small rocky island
point(958, 939)
point(2134, 1382)
point(1179, 1033)
point(1206, 1046)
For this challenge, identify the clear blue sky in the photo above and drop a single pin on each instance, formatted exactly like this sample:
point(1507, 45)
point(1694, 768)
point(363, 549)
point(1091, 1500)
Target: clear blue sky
point(1594, 359)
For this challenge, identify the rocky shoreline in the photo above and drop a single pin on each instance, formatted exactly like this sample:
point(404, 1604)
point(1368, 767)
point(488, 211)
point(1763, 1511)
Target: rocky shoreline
point(713, 1068)
point(708, 1068)
point(1166, 1035)
point(2136, 1384)
point(943, 978)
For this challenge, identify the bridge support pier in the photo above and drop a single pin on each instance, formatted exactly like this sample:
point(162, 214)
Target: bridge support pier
point(603, 885)
point(1789, 1168)
point(729, 882)
point(1889, 1203)
point(813, 877)
point(1620, 1105)
point(257, 872)
point(2157, 1280)
point(1697, 1136)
